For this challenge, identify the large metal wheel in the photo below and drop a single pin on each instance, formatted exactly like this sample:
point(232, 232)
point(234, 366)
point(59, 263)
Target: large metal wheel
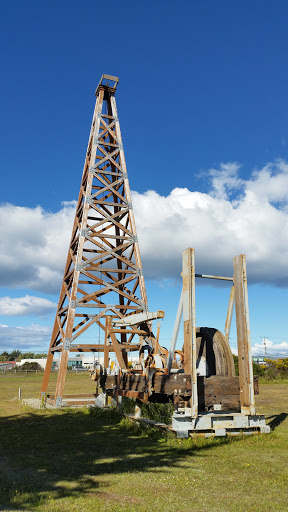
point(214, 356)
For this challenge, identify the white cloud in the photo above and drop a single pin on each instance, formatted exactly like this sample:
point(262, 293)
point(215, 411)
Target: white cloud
point(254, 222)
point(27, 305)
point(33, 246)
point(272, 349)
point(234, 216)
point(32, 338)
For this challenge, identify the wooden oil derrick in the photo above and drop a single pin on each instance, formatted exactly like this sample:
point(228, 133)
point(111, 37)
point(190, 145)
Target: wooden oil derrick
point(103, 276)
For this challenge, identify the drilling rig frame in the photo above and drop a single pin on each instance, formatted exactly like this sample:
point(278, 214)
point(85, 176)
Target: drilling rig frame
point(104, 261)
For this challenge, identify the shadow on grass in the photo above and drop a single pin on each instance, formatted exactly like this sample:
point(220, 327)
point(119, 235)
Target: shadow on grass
point(276, 420)
point(69, 453)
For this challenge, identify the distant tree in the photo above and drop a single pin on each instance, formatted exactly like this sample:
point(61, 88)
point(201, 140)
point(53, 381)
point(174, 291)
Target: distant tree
point(257, 369)
point(28, 355)
point(31, 366)
point(4, 356)
point(15, 354)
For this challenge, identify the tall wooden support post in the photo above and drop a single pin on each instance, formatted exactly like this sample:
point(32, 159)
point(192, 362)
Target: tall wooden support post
point(243, 336)
point(103, 274)
point(106, 345)
point(189, 320)
point(47, 372)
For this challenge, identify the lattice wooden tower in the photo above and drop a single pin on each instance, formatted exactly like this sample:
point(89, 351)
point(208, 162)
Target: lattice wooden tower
point(103, 276)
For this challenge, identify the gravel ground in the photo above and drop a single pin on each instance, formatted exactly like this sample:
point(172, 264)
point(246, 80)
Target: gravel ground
point(36, 403)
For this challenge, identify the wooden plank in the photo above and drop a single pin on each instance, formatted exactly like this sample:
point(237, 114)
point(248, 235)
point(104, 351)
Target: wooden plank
point(47, 372)
point(219, 390)
point(116, 345)
point(221, 384)
point(165, 384)
point(51, 396)
point(133, 382)
point(189, 320)
point(177, 383)
point(132, 394)
point(243, 336)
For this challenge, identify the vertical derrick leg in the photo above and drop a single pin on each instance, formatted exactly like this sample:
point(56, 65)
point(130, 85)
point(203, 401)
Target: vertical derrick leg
point(47, 372)
point(67, 335)
point(61, 378)
point(106, 345)
point(189, 320)
point(243, 336)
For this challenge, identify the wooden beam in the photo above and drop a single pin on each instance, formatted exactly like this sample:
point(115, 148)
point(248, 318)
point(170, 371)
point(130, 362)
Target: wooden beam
point(243, 336)
point(189, 320)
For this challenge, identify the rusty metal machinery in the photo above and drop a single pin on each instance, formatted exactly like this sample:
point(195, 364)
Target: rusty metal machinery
point(103, 286)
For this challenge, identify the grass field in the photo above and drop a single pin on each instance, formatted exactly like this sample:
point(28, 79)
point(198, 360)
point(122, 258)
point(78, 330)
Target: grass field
point(87, 460)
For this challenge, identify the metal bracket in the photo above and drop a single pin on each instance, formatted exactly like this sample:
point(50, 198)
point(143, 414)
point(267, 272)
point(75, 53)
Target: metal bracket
point(145, 307)
point(79, 266)
point(116, 119)
point(89, 200)
point(130, 206)
point(95, 141)
point(125, 175)
point(120, 146)
point(134, 238)
point(84, 232)
point(67, 343)
point(99, 114)
point(58, 402)
point(140, 272)
point(73, 304)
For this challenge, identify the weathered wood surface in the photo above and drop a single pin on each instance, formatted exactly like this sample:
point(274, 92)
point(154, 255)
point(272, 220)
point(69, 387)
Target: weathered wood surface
point(189, 320)
point(219, 390)
point(177, 383)
point(243, 335)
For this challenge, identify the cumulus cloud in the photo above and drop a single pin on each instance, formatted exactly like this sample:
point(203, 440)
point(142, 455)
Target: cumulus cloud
point(34, 245)
point(27, 305)
point(272, 349)
point(32, 338)
point(233, 216)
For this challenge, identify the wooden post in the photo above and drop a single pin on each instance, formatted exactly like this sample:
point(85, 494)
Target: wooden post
point(47, 372)
point(189, 320)
point(116, 345)
point(243, 336)
point(106, 345)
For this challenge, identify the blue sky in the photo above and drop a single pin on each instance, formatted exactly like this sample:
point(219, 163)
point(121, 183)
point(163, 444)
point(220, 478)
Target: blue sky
point(202, 101)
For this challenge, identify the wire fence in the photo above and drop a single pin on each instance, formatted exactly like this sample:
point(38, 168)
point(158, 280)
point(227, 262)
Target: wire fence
point(23, 372)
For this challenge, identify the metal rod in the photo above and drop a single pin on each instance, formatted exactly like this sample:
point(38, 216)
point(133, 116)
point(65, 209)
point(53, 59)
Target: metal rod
point(221, 278)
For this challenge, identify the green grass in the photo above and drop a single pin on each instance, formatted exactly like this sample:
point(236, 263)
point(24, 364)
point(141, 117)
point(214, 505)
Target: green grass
point(87, 460)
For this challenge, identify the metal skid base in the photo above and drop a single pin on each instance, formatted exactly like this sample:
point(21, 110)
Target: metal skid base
point(218, 423)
